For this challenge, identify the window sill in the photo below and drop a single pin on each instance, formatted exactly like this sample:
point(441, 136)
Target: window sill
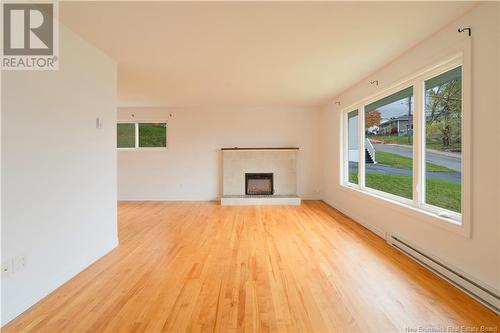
point(419, 214)
point(143, 149)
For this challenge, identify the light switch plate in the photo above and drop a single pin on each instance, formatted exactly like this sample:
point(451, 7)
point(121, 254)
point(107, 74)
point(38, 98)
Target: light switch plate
point(18, 264)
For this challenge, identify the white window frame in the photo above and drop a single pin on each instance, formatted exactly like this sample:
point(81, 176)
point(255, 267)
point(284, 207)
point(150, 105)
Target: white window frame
point(345, 149)
point(416, 207)
point(136, 123)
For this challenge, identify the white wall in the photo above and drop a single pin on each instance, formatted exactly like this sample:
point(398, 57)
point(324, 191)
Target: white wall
point(190, 168)
point(479, 256)
point(58, 171)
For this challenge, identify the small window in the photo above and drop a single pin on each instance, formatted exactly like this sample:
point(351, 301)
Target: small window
point(141, 135)
point(152, 135)
point(126, 135)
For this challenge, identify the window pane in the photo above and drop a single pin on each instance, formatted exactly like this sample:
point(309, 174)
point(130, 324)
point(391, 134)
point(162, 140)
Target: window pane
point(352, 146)
point(389, 144)
point(125, 135)
point(152, 135)
point(443, 140)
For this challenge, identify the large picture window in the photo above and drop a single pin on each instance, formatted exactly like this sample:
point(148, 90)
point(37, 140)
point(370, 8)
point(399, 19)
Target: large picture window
point(389, 144)
point(407, 144)
point(443, 140)
point(141, 135)
point(352, 146)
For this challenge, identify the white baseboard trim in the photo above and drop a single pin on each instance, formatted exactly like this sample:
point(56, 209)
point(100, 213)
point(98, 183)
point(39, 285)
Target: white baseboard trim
point(484, 294)
point(171, 199)
point(26, 304)
point(480, 291)
point(310, 197)
point(375, 230)
point(303, 197)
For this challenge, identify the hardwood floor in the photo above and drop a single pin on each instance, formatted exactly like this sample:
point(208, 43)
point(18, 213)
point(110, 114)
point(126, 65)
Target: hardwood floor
point(197, 266)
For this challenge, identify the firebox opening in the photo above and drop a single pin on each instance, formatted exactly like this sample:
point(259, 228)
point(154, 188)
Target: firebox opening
point(259, 184)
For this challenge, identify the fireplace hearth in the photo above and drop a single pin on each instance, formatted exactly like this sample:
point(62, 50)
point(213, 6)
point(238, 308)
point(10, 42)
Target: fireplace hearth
point(259, 184)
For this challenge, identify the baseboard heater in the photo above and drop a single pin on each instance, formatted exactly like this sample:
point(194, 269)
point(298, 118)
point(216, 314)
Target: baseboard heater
point(482, 294)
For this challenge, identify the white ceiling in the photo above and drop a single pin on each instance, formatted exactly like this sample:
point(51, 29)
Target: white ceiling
point(185, 54)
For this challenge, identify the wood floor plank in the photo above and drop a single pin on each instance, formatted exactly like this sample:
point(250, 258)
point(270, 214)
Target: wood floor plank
point(201, 267)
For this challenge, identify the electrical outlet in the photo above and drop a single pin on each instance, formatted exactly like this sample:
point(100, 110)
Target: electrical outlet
point(18, 264)
point(6, 268)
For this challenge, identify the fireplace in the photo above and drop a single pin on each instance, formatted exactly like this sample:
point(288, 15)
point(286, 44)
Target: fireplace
point(259, 184)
